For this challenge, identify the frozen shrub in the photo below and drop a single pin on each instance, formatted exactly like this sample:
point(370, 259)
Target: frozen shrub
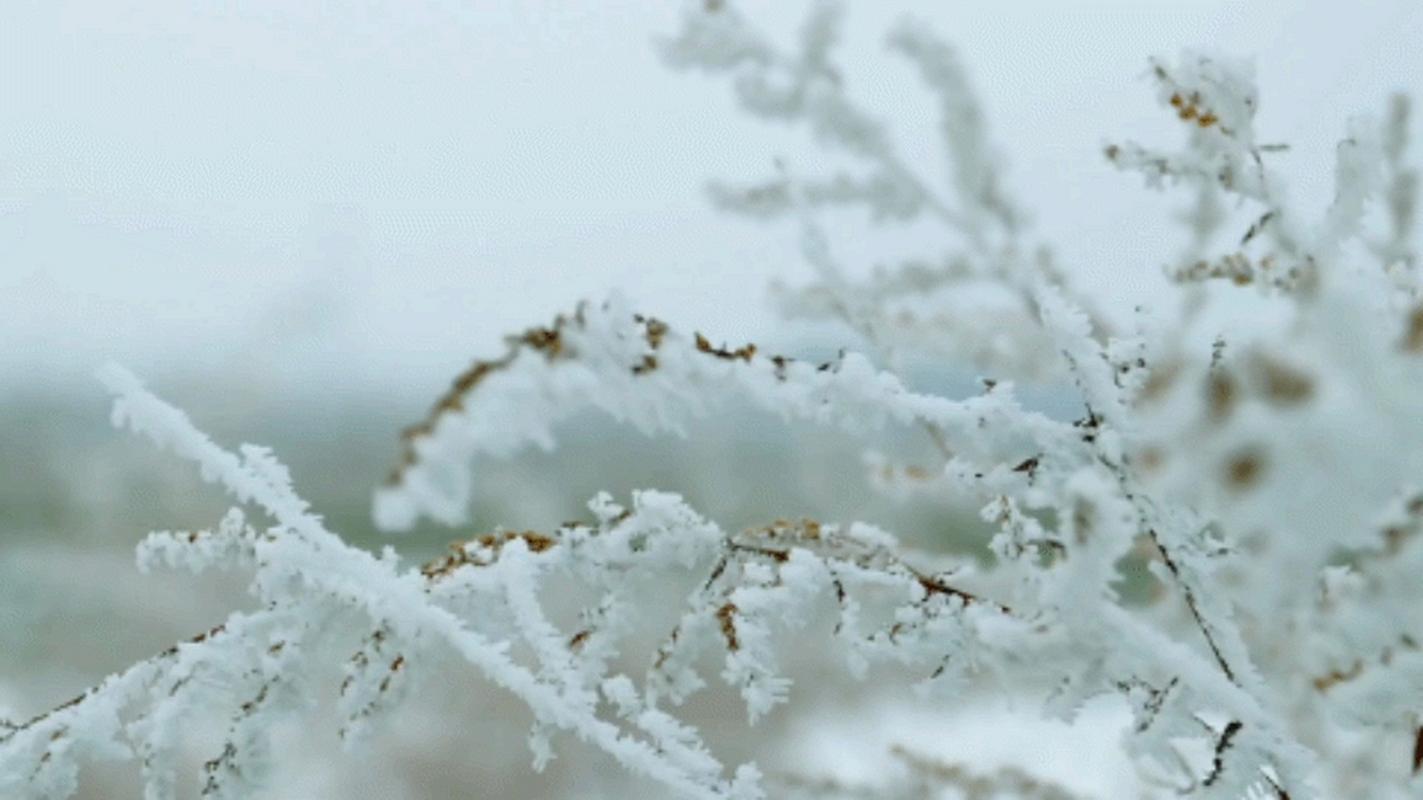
point(1256, 444)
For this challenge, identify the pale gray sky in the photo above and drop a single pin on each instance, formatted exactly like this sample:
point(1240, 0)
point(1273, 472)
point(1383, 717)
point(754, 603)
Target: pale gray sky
point(375, 191)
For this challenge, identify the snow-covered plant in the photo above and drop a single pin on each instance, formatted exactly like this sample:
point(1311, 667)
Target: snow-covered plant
point(1254, 444)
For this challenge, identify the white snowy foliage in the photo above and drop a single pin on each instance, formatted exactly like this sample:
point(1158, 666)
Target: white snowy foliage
point(1263, 473)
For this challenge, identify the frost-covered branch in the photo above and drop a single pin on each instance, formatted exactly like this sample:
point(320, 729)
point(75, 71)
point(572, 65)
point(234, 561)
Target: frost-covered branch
point(644, 373)
point(308, 580)
point(978, 302)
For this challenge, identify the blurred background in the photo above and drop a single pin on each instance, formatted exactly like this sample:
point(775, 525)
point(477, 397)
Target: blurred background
point(299, 220)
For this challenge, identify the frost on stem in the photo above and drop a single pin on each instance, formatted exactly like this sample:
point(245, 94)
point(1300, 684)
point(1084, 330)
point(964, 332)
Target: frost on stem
point(321, 598)
point(912, 775)
point(643, 372)
point(1287, 435)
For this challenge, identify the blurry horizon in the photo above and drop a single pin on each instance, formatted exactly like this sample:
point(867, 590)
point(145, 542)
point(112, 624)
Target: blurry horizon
point(369, 197)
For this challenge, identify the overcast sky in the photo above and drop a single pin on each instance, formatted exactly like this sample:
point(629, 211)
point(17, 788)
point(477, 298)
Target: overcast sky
point(375, 191)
